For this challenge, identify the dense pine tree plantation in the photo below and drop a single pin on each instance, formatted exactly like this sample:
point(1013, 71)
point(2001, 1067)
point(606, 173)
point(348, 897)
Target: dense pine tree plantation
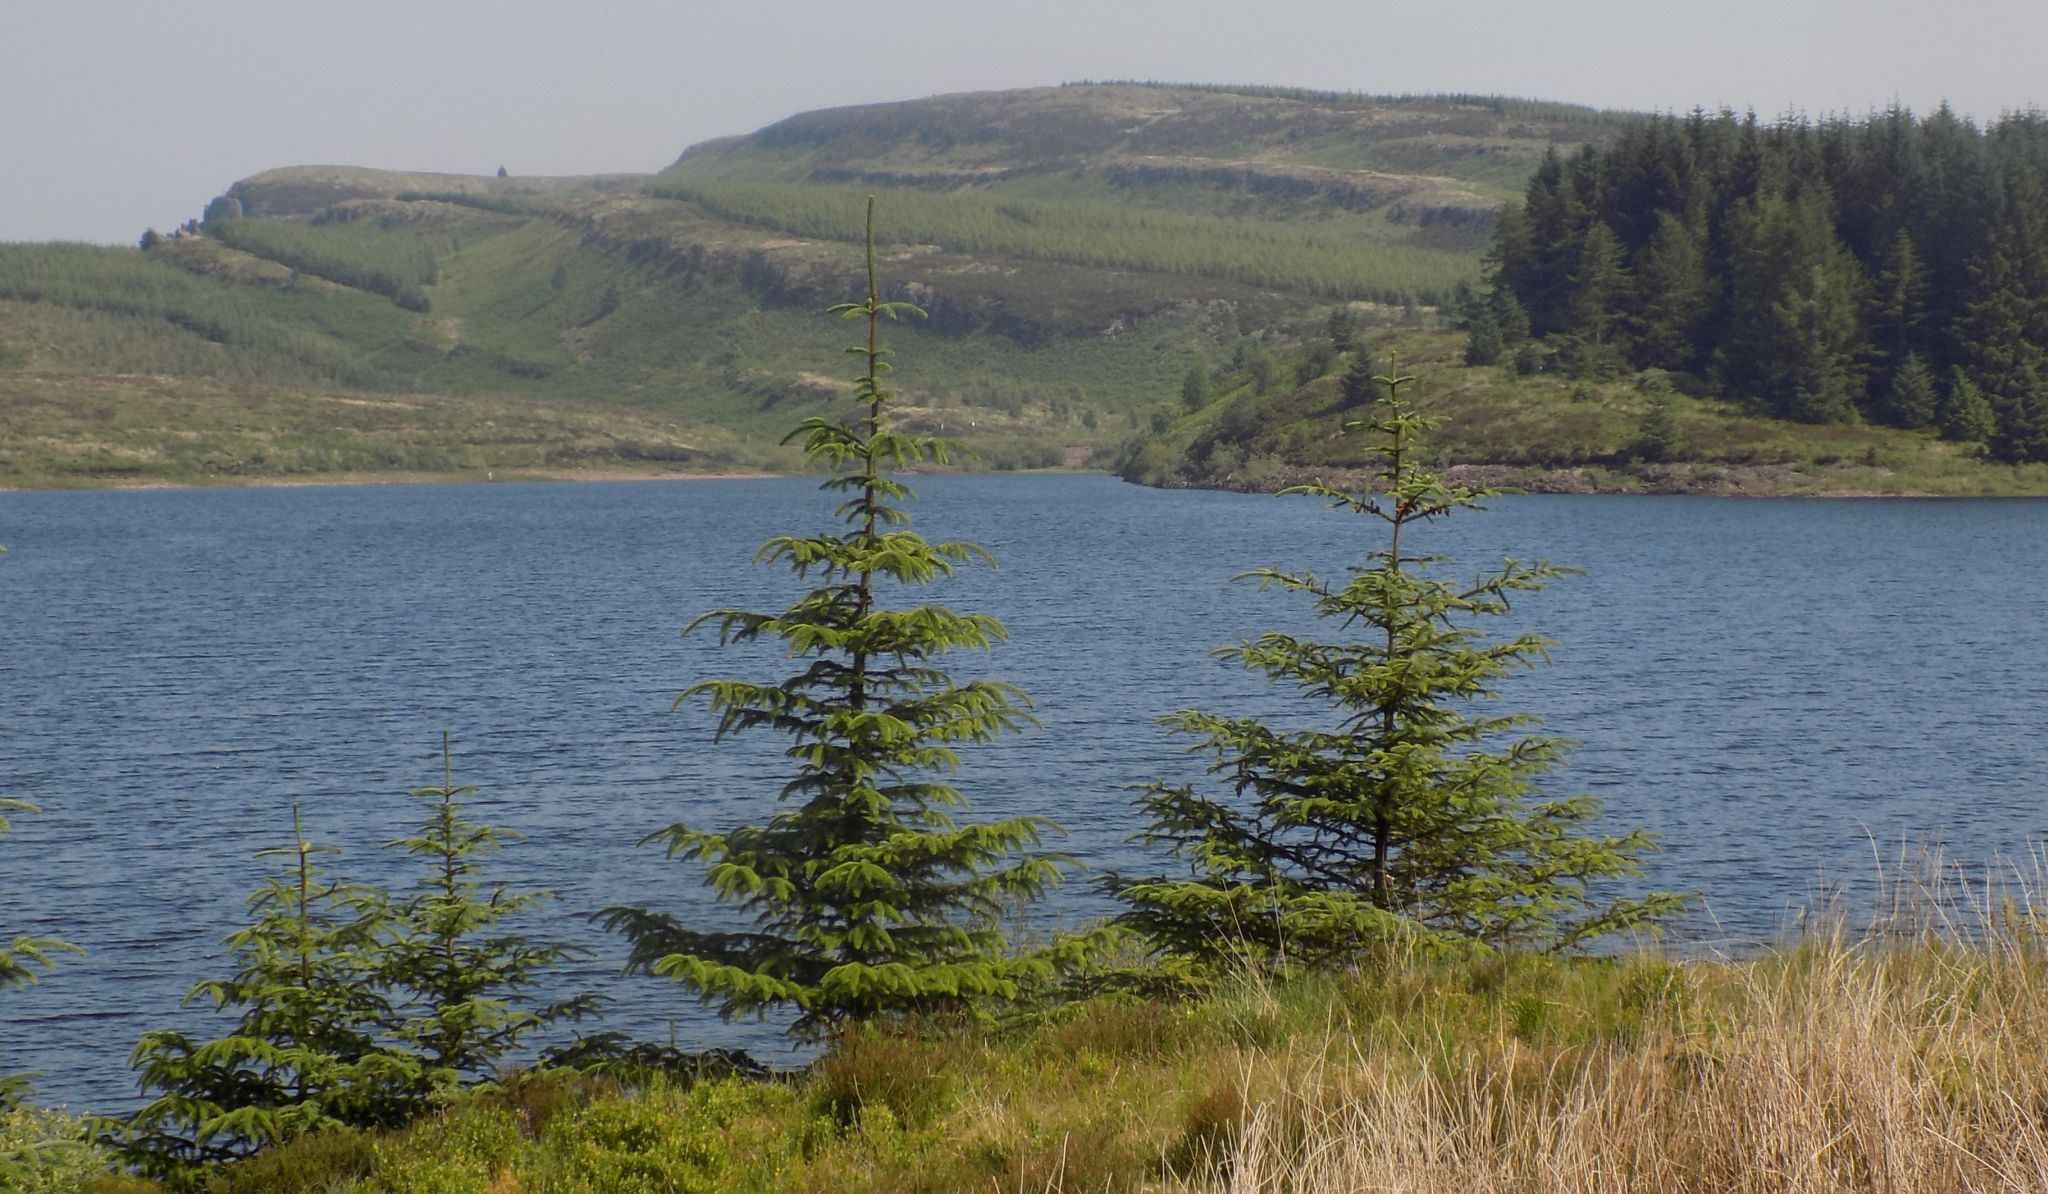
point(1891, 269)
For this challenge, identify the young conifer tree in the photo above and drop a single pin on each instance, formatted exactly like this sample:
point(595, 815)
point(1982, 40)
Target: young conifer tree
point(868, 900)
point(1409, 819)
point(20, 958)
point(458, 972)
point(305, 1054)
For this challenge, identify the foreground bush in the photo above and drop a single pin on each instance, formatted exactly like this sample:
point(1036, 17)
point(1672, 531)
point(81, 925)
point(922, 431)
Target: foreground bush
point(45, 1152)
point(1827, 1066)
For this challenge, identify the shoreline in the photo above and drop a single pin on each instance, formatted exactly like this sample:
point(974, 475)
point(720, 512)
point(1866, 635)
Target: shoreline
point(1681, 479)
point(1688, 479)
point(369, 480)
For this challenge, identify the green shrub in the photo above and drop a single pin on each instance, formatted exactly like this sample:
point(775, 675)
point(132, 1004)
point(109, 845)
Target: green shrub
point(659, 1142)
point(461, 1152)
point(46, 1152)
point(311, 1164)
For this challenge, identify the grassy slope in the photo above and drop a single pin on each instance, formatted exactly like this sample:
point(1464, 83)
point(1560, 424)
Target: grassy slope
point(1824, 1066)
point(1078, 249)
point(588, 291)
point(1543, 433)
point(1334, 196)
point(61, 430)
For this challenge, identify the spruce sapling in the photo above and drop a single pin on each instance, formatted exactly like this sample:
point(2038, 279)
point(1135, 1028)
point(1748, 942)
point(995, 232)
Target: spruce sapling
point(1407, 820)
point(868, 901)
point(461, 976)
point(305, 1053)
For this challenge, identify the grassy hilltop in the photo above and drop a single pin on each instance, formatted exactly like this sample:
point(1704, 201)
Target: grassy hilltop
point(1080, 250)
point(1077, 247)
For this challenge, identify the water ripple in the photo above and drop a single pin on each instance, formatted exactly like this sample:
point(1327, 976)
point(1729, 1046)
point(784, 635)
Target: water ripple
point(1772, 686)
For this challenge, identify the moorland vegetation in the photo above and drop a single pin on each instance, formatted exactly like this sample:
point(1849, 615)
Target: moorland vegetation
point(1078, 250)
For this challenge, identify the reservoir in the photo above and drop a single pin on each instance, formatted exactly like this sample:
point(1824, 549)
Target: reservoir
point(1790, 692)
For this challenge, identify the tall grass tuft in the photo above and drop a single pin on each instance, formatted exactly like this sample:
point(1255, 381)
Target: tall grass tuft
point(1912, 1057)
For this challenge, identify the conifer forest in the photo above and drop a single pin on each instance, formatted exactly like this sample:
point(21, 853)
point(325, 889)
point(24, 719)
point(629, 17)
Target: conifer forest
point(1892, 268)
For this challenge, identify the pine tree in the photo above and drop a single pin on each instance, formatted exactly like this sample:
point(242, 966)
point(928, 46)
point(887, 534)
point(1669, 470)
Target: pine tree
point(1670, 300)
point(1965, 414)
point(460, 974)
point(868, 901)
point(1600, 286)
point(21, 957)
point(2004, 331)
point(2022, 435)
point(1484, 343)
point(1659, 439)
point(1509, 317)
point(1407, 819)
point(1794, 331)
point(1551, 224)
point(1463, 306)
point(1341, 330)
point(1898, 305)
point(1910, 399)
point(304, 1054)
point(1194, 388)
point(1358, 384)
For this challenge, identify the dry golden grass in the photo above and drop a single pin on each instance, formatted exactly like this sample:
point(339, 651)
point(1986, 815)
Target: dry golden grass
point(1876, 1066)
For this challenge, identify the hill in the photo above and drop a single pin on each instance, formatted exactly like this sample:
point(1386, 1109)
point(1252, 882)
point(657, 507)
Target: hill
point(1075, 246)
point(1079, 250)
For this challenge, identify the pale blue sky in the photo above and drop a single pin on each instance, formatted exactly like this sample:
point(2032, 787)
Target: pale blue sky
point(123, 114)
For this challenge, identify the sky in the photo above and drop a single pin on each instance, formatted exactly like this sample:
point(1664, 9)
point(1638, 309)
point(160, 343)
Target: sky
point(126, 114)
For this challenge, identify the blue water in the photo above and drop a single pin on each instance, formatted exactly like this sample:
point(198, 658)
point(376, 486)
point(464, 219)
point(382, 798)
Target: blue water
point(1781, 689)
